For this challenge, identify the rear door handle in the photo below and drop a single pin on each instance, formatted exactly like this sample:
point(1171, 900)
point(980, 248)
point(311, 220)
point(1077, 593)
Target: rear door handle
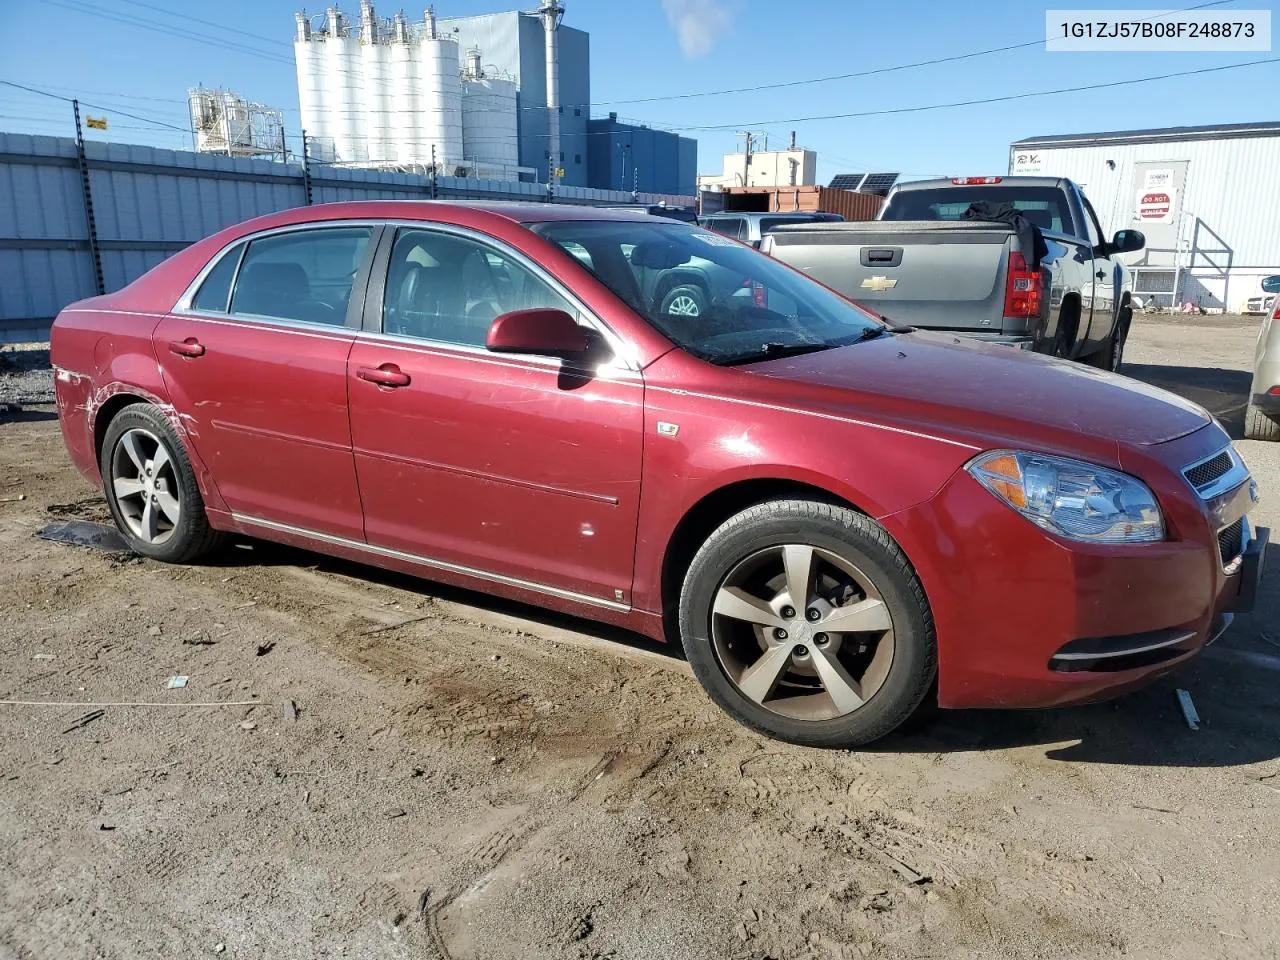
point(387, 375)
point(190, 347)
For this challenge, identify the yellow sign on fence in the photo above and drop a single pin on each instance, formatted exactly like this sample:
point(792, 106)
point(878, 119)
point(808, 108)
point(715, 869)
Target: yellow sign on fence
point(95, 123)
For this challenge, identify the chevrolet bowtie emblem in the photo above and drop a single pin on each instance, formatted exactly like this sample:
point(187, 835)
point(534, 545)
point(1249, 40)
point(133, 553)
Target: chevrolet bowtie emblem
point(879, 284)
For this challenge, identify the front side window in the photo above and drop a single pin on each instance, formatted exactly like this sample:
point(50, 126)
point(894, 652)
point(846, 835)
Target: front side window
point(304, 276)
point(449, 288)
point(716, 298)
point(1091, 222)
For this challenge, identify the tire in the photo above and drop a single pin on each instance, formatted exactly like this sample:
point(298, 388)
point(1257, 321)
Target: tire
point(1259, 426)
point(141, 454)
point(685, 300)
point(1112, 353)
point(855, 564)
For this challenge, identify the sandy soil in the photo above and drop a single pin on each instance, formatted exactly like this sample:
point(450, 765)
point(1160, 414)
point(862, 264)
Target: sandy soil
point(431, 773)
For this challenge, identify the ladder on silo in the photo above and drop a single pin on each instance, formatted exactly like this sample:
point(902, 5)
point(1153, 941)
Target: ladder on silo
point(86, 191)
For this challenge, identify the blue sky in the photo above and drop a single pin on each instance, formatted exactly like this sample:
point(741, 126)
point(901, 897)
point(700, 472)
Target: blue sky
point(659, 48)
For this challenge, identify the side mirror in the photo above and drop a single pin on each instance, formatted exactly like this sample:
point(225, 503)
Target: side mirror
point(1127, 241)
point(545, 332)
point(1271, 284)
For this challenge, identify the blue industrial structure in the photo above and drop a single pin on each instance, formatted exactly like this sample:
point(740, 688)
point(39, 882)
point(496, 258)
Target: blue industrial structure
point(148, 203)
point(625, 156)
point(514, 45)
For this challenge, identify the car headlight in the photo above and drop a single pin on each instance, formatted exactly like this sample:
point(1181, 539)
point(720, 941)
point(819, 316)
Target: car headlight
point(1079, 501)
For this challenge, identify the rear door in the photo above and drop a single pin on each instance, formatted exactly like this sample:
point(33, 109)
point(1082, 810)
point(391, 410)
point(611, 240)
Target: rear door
point(518, 468)
point(255, 362)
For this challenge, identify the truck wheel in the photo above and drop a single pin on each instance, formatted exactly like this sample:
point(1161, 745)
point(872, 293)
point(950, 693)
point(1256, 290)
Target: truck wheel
point(1112, 353)
point(686, 300)
point(1259, 426)
point(804, 621)
point(151, 489)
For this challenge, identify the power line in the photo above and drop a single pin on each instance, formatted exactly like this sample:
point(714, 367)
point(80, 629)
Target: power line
point(96, 106)
point(782, 85)
point(985, 100)
point(209, 23)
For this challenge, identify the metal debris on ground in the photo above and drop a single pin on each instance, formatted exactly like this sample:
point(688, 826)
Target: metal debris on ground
point(42, 656)
point(291, 710)
point(1188, 709)
point(87, 719)
point(248, 725)
point(177, 683)
point(265, 648)
point(21, 496)
point(82, 533)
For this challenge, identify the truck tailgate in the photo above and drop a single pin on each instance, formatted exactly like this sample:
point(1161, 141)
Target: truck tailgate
point(930, 274)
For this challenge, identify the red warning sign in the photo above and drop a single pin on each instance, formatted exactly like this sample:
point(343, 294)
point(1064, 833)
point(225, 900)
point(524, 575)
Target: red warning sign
point(1155, 206)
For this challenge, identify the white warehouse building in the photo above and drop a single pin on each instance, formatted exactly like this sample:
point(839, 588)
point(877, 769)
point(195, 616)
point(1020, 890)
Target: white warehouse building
point(400, 94)
point(1207, 198)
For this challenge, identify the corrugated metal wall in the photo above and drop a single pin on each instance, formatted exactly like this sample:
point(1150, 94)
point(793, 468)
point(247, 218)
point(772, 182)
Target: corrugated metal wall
point(1231, 207)
point(150, 203)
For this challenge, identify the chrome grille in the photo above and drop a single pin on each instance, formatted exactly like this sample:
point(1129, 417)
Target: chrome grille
point(1203, 474)
point(1231, 541)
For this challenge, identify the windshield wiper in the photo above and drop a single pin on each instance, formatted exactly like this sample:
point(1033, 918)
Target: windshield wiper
point(773, 351)
point(870, 334)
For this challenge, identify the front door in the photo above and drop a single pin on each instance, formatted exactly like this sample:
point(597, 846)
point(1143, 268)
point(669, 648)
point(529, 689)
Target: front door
point(519, 467)
point(255, 364)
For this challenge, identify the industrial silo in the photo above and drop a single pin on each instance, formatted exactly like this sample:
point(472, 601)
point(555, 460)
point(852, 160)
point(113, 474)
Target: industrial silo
point(489, 135)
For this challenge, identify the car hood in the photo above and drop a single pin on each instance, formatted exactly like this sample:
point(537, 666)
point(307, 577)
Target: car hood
point(987, 389)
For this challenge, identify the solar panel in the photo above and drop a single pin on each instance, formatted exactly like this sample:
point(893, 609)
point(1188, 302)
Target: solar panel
point(846, 181)
point(878, 183)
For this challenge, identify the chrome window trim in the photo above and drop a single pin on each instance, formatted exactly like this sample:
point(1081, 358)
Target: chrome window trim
point(1238, 474)
point(184, 308)
point(624, 353)
point(459, 568)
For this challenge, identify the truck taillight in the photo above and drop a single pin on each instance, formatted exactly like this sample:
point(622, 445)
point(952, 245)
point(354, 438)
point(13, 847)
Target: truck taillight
point(974, 181)
point(1023, 289)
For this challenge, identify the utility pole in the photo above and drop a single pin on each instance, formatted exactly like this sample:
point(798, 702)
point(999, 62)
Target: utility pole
point(306, 170)
point(86, 190)
point(284, 149)
point(746, 163)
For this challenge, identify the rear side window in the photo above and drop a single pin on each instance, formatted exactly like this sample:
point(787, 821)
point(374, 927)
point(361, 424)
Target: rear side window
point(304, 276)
point(1046, 207)
point(216, 289)
point(728, 226)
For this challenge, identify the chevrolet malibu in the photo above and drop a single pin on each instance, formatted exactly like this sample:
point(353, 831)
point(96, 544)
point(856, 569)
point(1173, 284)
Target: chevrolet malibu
point(835, 519)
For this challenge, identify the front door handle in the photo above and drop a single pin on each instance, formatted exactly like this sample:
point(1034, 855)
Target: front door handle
point(387, 375)
point(190, 347)
point(1100, 275)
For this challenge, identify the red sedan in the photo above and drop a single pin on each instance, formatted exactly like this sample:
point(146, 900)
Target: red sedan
point(642, 422)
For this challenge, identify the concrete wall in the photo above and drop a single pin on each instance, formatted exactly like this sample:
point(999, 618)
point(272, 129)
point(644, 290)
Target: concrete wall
point(150, 203)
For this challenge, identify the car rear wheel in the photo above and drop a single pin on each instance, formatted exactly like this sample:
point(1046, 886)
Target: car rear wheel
point(804, 620)
point(686, 300)
point(1259, 426)
point(151, 489)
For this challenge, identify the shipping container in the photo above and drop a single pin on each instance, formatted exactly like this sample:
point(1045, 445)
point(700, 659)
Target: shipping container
point(806, 199)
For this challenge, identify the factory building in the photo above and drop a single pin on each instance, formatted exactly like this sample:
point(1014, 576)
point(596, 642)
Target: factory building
point(624, 156)
point(503, 96)
point(1207, 198)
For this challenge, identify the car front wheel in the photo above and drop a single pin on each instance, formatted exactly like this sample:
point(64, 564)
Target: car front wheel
point(804, 620)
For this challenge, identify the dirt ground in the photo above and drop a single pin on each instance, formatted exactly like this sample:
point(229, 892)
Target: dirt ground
point(468, 778)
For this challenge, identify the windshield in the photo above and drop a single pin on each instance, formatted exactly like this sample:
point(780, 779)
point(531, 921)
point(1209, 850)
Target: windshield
point(715, 297)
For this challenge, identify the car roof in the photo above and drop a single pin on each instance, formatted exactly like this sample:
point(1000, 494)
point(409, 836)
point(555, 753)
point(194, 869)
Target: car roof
point(474, 213)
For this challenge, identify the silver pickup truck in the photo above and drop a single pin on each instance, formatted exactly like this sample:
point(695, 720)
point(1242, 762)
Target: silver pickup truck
point(923, 264)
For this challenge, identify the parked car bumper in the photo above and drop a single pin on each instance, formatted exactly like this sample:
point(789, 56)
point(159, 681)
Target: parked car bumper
point(1026, 619)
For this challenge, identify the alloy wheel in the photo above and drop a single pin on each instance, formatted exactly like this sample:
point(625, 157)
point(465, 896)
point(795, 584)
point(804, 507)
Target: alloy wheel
point(802, 632)
point(146, 486)
point(683, 306)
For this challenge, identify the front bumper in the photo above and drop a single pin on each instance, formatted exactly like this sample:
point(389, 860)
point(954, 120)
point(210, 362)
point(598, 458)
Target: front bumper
point(1009, 600)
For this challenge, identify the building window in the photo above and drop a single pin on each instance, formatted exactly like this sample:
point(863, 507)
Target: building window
point(577, 111)
point(562, 156)
point(560, 109)
point(546, 154)
point(577, 158)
